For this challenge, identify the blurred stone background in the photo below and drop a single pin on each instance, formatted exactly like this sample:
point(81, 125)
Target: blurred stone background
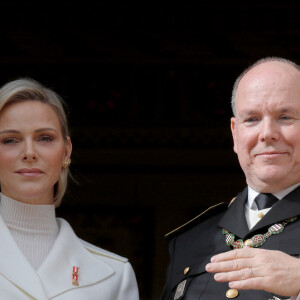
point(148, 91)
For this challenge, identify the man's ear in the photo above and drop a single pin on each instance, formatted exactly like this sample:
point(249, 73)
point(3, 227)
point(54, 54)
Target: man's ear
point(233, 131)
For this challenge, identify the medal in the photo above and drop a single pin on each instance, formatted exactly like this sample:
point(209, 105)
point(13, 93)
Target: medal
point(75, 276)
point(258, 239)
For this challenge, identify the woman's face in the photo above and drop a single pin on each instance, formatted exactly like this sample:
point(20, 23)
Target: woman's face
point(32, 150)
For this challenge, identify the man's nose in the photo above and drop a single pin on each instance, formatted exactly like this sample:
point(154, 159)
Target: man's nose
point(269, 131)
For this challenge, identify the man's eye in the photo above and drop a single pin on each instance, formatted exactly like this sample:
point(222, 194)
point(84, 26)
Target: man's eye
point(285, 117)
point(252, 119)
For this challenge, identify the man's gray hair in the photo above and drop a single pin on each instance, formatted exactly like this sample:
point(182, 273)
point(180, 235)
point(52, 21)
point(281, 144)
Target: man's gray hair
point(261, 61)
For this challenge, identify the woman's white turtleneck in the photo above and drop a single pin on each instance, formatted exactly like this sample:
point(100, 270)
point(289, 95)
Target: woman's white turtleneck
point(33, 227)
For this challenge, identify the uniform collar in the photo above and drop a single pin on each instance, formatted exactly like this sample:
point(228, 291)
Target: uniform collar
point(67, 252)
point(279, 195)
point(54, 276)
point(234, 219)
point(16, 268)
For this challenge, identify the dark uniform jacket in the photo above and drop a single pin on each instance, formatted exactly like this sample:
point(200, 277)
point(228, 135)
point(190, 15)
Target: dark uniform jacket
point(193, 244)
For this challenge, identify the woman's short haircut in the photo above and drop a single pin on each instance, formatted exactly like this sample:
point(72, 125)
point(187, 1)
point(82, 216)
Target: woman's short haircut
point(27, 89)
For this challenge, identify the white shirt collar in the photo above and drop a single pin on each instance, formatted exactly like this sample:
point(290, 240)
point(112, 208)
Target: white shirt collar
point(252, 194)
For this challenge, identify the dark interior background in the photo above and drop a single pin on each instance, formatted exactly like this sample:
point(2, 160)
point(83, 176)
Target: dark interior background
point(148, 89)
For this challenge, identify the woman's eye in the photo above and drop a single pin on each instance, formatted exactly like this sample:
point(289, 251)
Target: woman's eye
point(9, 141)
point(46, 138)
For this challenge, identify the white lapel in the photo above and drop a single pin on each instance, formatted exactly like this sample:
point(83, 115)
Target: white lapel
point(67, 251)
point(16, 268)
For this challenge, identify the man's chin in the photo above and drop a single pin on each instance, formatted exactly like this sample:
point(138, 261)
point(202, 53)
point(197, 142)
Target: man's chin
point(271, 184)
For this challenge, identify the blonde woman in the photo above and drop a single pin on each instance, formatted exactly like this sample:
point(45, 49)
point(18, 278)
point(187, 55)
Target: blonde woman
point(41, 257)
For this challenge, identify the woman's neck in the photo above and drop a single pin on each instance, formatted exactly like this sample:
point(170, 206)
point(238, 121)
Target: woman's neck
point(34, 227)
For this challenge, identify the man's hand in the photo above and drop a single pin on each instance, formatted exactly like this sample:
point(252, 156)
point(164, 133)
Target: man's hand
point(258, 269)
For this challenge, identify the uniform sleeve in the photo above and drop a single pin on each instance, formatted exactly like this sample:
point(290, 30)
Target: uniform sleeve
point(128, 289)
point(166, 294)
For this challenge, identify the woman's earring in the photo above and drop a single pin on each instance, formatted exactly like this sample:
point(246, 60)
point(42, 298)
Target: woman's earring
point(66, 163)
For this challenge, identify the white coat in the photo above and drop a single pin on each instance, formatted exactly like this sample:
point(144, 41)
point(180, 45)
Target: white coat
point(101, 275)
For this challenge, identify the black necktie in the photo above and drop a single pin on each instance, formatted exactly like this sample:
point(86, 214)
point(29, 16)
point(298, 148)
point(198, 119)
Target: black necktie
point(265, 201)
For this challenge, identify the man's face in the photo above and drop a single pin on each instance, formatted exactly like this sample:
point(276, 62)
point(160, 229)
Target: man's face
point(266, 129)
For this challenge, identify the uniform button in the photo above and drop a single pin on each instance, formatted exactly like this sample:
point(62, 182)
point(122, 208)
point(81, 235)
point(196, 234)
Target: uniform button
point(186, 270)
point(232, 293)
point(260, 215)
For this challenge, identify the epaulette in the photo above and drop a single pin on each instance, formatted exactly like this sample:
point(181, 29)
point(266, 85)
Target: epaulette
point(101, 252)
point(232, 200)
point(211, 211)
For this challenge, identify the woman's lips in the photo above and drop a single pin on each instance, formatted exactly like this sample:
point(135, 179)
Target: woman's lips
point(30, 172)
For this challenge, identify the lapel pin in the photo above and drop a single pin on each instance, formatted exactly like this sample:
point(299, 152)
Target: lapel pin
point(75, 276)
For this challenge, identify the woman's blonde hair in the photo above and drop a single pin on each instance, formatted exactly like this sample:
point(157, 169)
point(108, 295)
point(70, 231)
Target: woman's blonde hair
point(26, 89)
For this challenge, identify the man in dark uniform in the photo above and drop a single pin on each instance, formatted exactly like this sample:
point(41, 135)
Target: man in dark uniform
point(250, 248)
